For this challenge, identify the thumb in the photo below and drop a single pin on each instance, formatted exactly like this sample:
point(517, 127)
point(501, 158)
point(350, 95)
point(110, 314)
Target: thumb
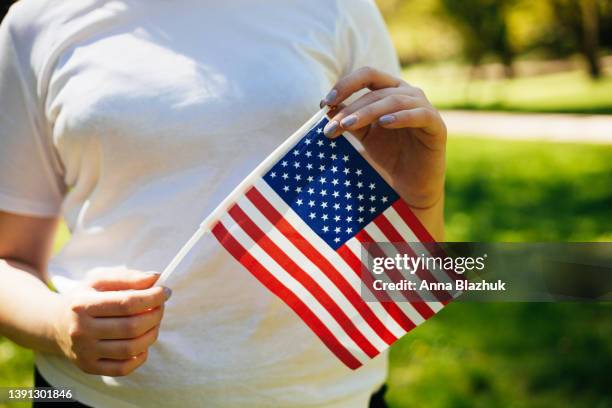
point(112, 279)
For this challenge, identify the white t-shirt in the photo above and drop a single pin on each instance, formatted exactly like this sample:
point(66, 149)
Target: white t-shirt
point(133, 119)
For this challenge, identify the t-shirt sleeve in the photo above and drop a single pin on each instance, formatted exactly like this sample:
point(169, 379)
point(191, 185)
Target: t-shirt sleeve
point(364, 39)
point(31, 181)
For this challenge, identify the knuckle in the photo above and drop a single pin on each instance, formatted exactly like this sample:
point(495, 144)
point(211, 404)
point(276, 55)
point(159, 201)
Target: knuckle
point(428, 115)
point(378, 94)
point(76, 331)
point(158, 297)
point(443, 128)
point(367, 70)
point(155, 335)
point(365, 112)
point(78, 307)
point(418, 91)
point(161, 312)
point(143, 357)
point(397, 101)
point(78, 304)
point(386, 92)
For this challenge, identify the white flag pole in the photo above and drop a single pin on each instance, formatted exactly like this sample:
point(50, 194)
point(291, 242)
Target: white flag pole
point(207, 224)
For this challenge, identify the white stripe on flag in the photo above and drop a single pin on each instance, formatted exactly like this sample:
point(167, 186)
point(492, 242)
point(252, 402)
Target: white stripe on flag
point(378, 236)
point(294, 286)
point(407, 235)
point(355, 246)
point(326, 284)
point(331, 255)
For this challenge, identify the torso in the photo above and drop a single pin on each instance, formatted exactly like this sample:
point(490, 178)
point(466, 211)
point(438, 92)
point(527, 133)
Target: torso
point(158, 111)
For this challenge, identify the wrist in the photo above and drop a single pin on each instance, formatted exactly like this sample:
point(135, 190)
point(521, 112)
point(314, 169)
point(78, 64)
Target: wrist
point(432, 217)
point(428, 202)
point(426, 194)
point(56, 330)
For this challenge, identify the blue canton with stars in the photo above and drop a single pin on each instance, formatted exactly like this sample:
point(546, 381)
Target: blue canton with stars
point(330, 186)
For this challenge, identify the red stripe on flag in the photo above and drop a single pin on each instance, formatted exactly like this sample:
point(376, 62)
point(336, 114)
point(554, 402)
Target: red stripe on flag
point(276, 287)
point(413, 222)
point(420, 306)
point(394, 237)
point(304, 278)
point(422, 234)
point(394, 311)
point(268, 210)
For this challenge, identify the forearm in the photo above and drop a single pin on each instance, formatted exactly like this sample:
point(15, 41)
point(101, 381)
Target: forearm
point(433, 218)
point(28, 308)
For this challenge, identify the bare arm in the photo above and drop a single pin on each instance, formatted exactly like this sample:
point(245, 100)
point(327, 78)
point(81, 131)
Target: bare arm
point(27, 306)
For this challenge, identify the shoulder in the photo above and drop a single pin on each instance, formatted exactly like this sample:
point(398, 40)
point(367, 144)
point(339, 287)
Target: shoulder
point(358, 10)
point(361, 19)
point(27, 16)
point(343, 12)
point(31, 21)
point(364, 37)
point(368, 4)
point(35, 30)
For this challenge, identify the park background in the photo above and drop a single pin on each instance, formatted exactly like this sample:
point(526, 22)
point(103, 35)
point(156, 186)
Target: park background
point(544, 62)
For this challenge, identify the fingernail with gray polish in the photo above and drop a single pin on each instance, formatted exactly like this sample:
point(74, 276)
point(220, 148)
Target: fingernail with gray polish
point(167, 292)
point(330, 128)
point(385, 120)
point(330, 97)
point(348, 121)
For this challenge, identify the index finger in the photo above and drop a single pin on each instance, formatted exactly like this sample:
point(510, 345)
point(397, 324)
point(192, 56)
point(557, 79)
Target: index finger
point(366, 77)
point(125, 302)
point(119, 278)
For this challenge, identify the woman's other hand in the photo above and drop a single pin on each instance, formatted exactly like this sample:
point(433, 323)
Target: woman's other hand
point(108, 324)
point(400, 130)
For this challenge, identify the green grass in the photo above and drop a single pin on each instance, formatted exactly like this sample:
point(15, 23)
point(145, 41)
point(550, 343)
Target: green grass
point(528, 191)
point(15, 368)
point(448, 87)
point(506, 355)
point(483, 355)
point(521, 354)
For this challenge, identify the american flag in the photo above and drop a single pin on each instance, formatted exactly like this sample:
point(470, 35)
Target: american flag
point(299, 228)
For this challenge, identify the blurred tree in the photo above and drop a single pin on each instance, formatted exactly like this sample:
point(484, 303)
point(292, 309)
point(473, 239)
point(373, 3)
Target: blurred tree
point(420, 31)
point(605, 25)
point(432, 30)
point(590, 34)
point(529, 26)
point(484, 28)
point(577, 24)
